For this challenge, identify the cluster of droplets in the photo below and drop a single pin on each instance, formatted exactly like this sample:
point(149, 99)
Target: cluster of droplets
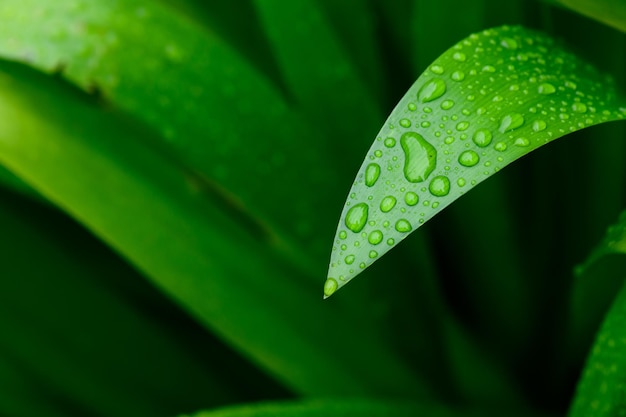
point(504, 95)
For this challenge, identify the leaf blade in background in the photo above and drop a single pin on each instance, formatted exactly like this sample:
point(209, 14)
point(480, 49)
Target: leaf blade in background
point(487, 101)
point(601, 390)
point(186, 244)
point(609, 12)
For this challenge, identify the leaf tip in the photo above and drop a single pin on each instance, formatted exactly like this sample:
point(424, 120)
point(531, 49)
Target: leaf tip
point(330, 286)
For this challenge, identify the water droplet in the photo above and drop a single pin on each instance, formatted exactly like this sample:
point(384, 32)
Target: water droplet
point(539, 125)
point(387, 204)
point(375, 237)
point(330, 286)
point(489, 68)
point(405, 123)
point(437, 69)
point(425, 124)
point(373, 254)
point(579, 107)
point(432, 90)
point(510, 122)
point(461, 182)
point(459, 56)
point(411, 198)
point(403, 226)
point(482, 137)
point(390, 241)
point(458, 76)
point(447, 104)
point(522, 142)
point(468, 158)
point(378, 153)
point(448, 140)
point(500, 147)
point(570, 84)
point(461, 126)
point(546, 88)
point(412, 107)
point(439, 186)
point(349, 259)
point(390, 142)
point(343, 234)
point(420, 157)
point(357, 217)
point(372, 172)
point(509, 43)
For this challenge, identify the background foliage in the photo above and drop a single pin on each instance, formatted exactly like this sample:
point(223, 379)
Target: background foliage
point(173, 174)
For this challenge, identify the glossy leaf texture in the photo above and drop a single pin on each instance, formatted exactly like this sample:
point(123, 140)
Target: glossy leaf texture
point(484, 103)
point(601, 391)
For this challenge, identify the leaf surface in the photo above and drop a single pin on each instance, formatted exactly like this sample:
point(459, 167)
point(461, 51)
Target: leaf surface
point(487, 101)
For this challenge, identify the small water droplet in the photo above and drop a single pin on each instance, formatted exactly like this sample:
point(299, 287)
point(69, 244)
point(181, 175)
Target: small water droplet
point(403, 226)
point(420, 157)
point(343, 234)
point(448, 140)
point(391, 241)
point(378, 153)
point(468, 158)
point(437, 69)
point(459, 56)
point(500, 147)
point(411, 198)
point(489, 68)
point(412, 107)
point(405, 123)
point(458, 76)
point(510, 122)
point(375, 237)
point(439, 186)
point(425, 124)
point(570, 84)
point(579, 107)
point(482, 137)
point(447, 104)
point(522, 142)
point(349, 259)
point(330, 286)
point(539, 125)
point(509, 43)
point(387, 204)
point(461, 126)
point(432, 90)
point(390, 142)
point(461, 182)
point(373, 254)
point(357, 217)
point(372, 172)
point(546, 88)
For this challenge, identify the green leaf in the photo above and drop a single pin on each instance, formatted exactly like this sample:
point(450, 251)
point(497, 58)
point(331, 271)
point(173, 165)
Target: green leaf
point(487, 101)
point(352, 408)
point(609, 12)
point(207, 103)
point(167, 222)
point(601, 390)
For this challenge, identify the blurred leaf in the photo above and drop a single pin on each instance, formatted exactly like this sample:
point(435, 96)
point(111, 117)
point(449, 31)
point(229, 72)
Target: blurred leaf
point(353, 407)
point(213, 110)
point(609, 12)
point(160, 216)
point(487, 101)
point(601, 390)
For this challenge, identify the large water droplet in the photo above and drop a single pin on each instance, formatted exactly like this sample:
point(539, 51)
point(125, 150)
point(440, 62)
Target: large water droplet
point(411, 198)
point(387, 204)
point(510, 122)
point(390, 142)
point(372, 172)
point(403, 226)
point(468, 158)
point(432, 90)
point(357, 217)
point(330, 286)
point(482, 137)
point(539, 125)
point(420, 157)
point(546, 88)
point(375, 237)
point(439, 186)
